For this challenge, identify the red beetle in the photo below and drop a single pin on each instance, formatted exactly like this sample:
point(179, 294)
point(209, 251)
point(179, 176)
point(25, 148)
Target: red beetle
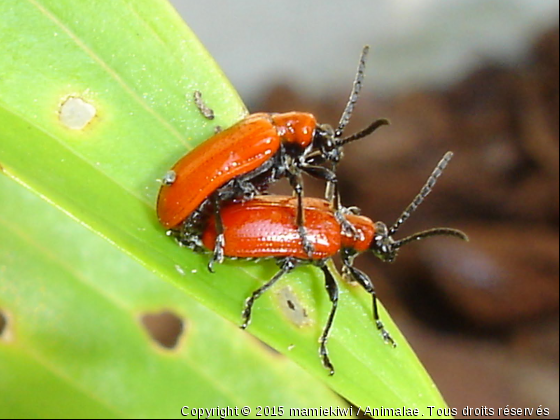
point(263, 227)
point(242, 161)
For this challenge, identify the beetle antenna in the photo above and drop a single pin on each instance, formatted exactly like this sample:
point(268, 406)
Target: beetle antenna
point(356, 87)
point(426, 189)
point(365, 132)
point(431, 232)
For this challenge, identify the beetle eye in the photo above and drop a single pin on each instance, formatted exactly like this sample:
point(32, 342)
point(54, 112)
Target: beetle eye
point(324, 135)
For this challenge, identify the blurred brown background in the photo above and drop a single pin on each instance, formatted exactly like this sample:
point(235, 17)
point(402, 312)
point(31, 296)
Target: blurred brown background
point(477, 78)
point(482, 316)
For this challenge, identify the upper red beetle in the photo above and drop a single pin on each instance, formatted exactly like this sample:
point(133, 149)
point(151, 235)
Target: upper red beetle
point(243, 160)
point(263, 227)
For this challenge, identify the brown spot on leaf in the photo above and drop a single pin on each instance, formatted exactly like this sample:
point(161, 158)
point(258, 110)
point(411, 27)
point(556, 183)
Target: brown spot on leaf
point(292, 307)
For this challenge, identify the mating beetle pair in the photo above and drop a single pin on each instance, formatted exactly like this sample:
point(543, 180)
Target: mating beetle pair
point(240, 162)
point(210, 201)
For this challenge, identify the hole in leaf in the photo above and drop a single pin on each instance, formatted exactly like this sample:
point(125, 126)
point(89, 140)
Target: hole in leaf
point(292, 307)
point(165, 328)
point(3, 323)
point(75, 113)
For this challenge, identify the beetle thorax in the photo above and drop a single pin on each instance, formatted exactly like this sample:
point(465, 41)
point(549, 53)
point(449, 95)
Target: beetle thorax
point(295, 128)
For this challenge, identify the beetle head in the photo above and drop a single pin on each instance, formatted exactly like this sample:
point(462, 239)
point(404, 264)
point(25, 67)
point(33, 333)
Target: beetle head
point(325, 144)
point(328, 144)
point(385, 247)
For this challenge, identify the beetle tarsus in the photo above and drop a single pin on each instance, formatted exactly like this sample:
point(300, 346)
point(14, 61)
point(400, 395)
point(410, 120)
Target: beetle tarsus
point(307, 245)
point(218, 254)
point(325, 359)
point(385, 334)
point(347, 228)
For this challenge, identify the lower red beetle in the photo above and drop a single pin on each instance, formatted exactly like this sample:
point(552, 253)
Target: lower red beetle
point(263, 227)
point(243, 160)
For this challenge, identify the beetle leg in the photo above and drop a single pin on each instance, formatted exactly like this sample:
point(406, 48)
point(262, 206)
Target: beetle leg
point(339, 212)
point(332, 290)
point(367, 284)
point(187, 239)
point(252, 183)
point(287, 265)
point(218, 253)
point(332, 194)
point(354, 210)
point(331, 191)
point(297, 184)
point(188, 233)
point(327, 175)
point(248, 190)
point(347, 227)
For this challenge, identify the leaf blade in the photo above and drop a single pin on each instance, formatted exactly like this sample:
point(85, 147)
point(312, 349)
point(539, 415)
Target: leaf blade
point(106, 175)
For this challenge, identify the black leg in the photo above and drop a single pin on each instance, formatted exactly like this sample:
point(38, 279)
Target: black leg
point(332, 290)
point(218, 254)
point(332, 195)
point(287, 265)
point(247, 189)
point(326, 174)
point(331, 190)
point(297, 184)
point(366, 283)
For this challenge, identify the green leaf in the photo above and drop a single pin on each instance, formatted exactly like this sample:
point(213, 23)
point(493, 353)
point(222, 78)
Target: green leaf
point(138, 66)
point(74, 344)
